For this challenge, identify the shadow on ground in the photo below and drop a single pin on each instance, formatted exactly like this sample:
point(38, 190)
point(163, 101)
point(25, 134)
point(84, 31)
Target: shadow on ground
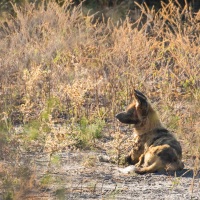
point(186, 173)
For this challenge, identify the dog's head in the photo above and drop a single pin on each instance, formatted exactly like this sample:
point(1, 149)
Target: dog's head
point(137, 111)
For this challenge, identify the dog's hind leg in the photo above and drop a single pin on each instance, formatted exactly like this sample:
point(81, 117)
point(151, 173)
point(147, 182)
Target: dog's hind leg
point(155, 166)
point(150, 169)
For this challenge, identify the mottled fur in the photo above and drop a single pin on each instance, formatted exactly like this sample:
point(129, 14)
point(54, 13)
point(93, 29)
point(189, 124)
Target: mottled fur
point(155, 148)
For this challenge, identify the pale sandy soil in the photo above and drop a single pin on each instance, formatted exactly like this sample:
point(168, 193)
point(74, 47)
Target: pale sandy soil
point(82, 176)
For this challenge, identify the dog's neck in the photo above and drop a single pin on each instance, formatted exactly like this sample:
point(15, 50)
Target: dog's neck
point(148, 125)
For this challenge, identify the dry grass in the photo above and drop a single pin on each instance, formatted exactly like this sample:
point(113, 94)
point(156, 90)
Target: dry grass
point(58, 67)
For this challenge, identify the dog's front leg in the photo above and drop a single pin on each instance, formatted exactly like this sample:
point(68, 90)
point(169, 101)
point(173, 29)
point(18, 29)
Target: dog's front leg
point(135, 153)
point(141, 161)
point(132, 158)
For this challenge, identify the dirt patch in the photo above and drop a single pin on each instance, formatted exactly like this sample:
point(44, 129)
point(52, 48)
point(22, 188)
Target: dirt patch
point(80, 175)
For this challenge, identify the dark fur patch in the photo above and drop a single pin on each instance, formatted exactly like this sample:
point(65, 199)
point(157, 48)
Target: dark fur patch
point(126, 117)
point(168, 155)
point(163, 136)
point(129, 160)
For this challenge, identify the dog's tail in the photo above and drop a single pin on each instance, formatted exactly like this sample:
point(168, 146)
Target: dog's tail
point(179, 165)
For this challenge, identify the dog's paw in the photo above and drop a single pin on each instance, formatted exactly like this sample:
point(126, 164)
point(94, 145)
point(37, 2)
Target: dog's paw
point(137, 165)
point(139, 170)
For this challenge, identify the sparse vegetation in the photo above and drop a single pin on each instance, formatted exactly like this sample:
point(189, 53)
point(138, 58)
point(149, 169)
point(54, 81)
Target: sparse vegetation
point(64, 77)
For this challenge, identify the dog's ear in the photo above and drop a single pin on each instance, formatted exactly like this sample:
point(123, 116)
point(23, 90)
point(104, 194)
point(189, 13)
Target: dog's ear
point(140, 98)
point(141, 104)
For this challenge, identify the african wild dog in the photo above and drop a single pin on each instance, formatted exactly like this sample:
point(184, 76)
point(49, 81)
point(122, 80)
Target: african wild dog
point(154, 148)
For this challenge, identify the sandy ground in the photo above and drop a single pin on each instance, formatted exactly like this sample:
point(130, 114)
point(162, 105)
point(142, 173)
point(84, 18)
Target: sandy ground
point(80, 175)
